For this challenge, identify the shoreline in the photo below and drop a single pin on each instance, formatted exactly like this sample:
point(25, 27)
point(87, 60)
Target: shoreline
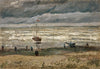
point(51, 24)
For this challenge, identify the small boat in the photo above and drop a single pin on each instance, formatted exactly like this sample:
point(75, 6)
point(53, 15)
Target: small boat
point(37, 39)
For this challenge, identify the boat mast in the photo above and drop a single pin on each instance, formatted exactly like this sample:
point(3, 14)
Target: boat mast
point(36, 30)
point(37, 27)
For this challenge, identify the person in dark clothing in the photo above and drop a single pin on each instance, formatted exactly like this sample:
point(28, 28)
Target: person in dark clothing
point(15, 48)
point(2, 48)
point(73, 45)
point(64, 45)
point(26, 48)
point(31, 48)
point(36, 53)
point(87, 45)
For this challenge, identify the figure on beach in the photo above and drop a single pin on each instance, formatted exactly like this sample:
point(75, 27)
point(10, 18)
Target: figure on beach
point(15, 48)
point(2, 48)
point(31, 48)
point(64, 45)
point(36, 53)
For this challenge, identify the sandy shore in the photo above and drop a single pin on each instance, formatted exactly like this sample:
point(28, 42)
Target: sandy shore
point(55, 61)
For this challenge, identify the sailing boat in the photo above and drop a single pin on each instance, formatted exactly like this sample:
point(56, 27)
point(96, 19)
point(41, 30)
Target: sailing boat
point(36, 38)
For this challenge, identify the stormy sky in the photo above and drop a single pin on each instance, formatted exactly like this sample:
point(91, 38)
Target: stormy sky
point(27, 12)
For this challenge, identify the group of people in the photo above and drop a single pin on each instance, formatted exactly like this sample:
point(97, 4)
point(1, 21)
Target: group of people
point(31, 48)
point(72, 44)
point(36, 51)
point(69, 44)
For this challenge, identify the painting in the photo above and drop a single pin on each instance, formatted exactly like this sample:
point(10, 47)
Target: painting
point(49, 34)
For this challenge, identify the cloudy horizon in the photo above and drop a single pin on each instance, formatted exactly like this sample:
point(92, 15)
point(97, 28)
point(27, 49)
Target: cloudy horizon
point(77, 13)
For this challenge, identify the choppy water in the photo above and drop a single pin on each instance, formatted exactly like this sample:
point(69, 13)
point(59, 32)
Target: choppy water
point(51, 36)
